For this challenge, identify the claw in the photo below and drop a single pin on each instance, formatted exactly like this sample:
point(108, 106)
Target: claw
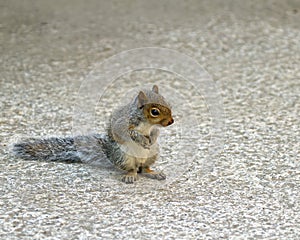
point(130, 177)
point(147, 172)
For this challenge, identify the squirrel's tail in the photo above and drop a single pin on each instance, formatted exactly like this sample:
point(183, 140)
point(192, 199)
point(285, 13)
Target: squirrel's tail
point(51, 149)
point(88, 149)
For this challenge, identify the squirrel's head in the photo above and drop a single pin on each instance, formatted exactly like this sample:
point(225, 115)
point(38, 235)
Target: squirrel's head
point(156, 110)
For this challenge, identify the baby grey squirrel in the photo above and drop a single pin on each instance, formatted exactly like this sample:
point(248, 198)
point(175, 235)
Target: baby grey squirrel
point(130, 142)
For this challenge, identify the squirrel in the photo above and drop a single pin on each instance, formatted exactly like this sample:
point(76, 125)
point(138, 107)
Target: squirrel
point(130, 141)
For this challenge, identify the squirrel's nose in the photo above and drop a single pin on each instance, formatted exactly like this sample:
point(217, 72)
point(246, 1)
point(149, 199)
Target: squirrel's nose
point(171, 121)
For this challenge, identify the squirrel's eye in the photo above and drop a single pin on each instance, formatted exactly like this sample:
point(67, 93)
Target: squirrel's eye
point(154, 112)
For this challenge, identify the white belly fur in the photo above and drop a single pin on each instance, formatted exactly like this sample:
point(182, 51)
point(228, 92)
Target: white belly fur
point(136, 155)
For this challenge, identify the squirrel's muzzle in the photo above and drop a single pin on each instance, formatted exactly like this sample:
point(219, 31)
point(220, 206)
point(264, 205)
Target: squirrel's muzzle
point(171, 121)
point(167, 122)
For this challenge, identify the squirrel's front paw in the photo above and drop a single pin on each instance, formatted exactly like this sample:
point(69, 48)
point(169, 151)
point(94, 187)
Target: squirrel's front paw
point(142, 140)
point(130, 177)
point(145, 142)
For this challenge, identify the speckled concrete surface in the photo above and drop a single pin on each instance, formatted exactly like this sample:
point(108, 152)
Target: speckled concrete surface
point(252, 52)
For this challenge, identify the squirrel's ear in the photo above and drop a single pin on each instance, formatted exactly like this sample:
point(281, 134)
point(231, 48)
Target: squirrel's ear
point(142, 98)
point(155, 89)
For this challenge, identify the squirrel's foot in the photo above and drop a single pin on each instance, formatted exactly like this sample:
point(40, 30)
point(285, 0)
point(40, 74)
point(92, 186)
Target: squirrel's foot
point(147, 172)
point(130, 177)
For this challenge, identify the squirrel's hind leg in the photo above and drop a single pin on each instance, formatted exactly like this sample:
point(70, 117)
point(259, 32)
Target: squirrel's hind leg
point(130, 177)
point(147, 172)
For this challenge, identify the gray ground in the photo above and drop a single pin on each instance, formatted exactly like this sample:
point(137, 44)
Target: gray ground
point(252, 51)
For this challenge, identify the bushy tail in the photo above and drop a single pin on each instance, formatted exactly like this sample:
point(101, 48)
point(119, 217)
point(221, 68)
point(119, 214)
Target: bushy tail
point(90, 149)
point(51, 149)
